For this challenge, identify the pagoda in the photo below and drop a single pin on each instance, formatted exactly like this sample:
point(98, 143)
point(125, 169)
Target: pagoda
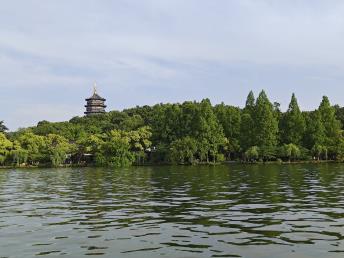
point(95, 104)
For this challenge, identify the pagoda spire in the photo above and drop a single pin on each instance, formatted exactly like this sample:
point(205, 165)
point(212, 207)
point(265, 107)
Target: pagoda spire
point(95, 88)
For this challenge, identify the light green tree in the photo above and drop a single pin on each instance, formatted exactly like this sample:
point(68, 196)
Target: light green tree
point(35, 145)
point(19, 155)
point(140, 142)
point(290, 151)
point(115, 150)
point(183, 150)
point(58, 149)
point(5, 148)
point(252, 153)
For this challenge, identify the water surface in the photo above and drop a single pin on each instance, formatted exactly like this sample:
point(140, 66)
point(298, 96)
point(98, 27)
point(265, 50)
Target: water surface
point(222, 211)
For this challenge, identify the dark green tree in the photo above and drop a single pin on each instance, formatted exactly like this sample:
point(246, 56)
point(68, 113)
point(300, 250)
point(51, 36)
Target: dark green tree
point(332, 128)
point(266, 126)
point(331, 124)
point(167, 124)
point(250, 103)
point(293, 126)
point(230, 118)
point(209, 131)
point(315, 131)
point(340, 114)
point(247, 131)
point(3, 128)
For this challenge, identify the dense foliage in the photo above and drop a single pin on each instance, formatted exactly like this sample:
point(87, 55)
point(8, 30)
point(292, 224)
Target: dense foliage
point(187, 133)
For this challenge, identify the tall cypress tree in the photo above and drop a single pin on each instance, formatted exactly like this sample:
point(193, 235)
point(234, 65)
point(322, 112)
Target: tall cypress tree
point(315, 131)
point(266, 126)
point(209, 132)
point(331, 125)
point(250, 103)
point(247, 134)
point(292, 124)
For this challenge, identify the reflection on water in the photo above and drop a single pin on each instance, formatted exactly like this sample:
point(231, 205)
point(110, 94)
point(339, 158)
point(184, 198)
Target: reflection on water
point(221, 211)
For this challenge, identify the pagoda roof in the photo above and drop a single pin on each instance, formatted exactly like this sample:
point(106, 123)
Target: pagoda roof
point(95, 96)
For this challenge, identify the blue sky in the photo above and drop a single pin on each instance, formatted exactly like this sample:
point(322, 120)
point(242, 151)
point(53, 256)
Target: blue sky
point(151, 51)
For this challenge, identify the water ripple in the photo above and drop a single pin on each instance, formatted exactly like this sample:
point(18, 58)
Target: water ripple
point(222, 211)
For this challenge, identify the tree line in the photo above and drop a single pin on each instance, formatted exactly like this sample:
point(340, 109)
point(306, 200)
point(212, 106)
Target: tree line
point(182, 133)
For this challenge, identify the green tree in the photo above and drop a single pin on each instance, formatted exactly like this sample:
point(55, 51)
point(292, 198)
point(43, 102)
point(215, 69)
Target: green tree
point(293, 124)
point(277, 111)
point(86, 145)
point(183, 150)
point(320, 151)
point(140, 142)
point(247, 131)
point(5, 148)
point(3, 128)
point(145, 112)
point(331, 125)
point(315, 131)
point(167, 124)
point(290, 151)
point(115, 150)
point(252, 153)
point(209, 132)
point(339, 114)
point(266, 126)
point(131, 123)
point(230, 120)
point(250, 105)
point(19, 155)
point(58, 149)
point(35, 146)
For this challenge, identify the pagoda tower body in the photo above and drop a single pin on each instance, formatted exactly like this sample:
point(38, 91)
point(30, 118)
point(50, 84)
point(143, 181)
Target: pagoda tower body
point(95, 104)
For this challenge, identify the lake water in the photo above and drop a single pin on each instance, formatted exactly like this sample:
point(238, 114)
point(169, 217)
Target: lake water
point(173, 211)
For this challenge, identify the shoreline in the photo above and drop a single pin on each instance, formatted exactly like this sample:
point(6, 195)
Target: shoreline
point(198, 164)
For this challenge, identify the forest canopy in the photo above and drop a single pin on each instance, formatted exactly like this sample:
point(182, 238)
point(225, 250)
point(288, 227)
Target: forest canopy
point(182, 133)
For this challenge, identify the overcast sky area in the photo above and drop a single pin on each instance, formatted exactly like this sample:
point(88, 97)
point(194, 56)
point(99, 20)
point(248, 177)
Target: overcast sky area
point(145, 52)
